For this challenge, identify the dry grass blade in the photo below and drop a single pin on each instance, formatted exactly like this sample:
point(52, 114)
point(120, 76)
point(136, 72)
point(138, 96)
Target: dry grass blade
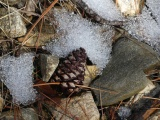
point(43, 14)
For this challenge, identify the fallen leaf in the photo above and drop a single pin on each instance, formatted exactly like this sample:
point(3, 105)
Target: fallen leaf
point(91, 71)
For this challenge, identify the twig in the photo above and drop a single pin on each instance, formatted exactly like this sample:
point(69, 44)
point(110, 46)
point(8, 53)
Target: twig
point(82, 86)
point(34, 25)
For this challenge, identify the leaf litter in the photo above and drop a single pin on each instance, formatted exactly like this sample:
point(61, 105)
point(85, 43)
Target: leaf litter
point(74, 37)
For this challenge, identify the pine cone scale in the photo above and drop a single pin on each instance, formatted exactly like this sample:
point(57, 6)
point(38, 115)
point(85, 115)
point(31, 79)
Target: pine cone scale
point(70, 71)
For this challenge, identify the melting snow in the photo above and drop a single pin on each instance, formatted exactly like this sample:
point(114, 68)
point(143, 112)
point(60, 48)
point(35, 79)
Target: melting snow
point(16, 73)
point(105, 8)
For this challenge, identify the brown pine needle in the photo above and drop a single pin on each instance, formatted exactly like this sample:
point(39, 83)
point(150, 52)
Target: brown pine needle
point(82, 86)
point(34, 25)
point(43, 84)
point(155, 108)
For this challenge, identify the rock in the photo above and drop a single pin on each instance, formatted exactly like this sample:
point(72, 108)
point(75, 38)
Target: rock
point(24, 114)
point(143, 92)
point(10, 2)
point(11, 24)
point(124, 74)
point(30, 6)
point(78, 108)
point(48, 65)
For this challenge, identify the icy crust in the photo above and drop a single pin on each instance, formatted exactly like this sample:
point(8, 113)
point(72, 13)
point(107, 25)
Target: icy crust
point(16, 74)
point(105, 8)
point(78, 32)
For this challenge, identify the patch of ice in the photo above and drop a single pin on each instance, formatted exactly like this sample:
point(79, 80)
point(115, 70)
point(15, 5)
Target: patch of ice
point(16, 73)
point(95, 39)
point(105, 8)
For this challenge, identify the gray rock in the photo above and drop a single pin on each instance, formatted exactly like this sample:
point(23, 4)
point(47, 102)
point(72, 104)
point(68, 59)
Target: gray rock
point(124, 74)
point(24, 114)
point(48, 65)
point(80, 107)
point(12, 24)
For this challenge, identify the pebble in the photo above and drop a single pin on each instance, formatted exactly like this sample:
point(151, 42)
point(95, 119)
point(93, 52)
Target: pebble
point(48, 65)
point(12, 24)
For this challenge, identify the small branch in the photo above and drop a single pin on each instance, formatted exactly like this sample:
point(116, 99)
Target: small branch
point(81, 86)
point(34, 25)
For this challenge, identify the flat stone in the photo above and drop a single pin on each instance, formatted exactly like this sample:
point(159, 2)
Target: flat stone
point(12, 24)
point(80, 107)
point(124, 74)
point(48, 65)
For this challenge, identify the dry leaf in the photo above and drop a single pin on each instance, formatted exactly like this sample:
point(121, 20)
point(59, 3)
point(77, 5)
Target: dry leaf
point(90, 73)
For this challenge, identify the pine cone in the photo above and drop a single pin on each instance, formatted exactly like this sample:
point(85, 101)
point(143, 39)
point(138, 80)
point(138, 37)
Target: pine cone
point(70, 71)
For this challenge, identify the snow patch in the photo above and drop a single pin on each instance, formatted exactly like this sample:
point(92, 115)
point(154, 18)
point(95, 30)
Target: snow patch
point(95, 39)
point(154, 7)
point(16, 73)
point(105, 8)
point(145, 28)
